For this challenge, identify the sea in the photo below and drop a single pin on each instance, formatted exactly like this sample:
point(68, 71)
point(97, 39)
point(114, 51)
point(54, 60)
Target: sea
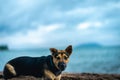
point(82, 60)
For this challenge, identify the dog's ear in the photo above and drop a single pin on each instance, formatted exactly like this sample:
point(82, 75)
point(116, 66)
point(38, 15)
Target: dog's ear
point(53, 51)
point(69, 49)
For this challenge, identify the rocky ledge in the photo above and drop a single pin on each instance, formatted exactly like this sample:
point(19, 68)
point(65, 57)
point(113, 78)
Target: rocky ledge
point(74, 76)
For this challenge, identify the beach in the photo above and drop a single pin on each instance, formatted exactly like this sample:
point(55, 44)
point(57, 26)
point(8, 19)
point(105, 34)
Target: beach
point(74, 76)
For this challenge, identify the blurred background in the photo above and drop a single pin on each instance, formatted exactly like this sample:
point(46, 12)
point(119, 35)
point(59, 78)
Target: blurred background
point(31, 27)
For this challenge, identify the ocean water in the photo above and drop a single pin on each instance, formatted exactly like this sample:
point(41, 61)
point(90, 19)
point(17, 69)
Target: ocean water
point(92, 60)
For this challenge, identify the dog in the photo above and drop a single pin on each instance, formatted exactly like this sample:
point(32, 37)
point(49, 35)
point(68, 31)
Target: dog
point(46, 67)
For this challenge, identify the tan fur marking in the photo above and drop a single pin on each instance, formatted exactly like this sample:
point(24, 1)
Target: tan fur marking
point(61, 51)
point(49, 75)
point(55, 62)
point(61, 55)
point(58, 77)
point(11, 69)
point(62, 58)
point(67, 60)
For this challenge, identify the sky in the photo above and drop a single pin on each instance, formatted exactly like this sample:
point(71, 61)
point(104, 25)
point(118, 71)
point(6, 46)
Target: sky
point(51, 23)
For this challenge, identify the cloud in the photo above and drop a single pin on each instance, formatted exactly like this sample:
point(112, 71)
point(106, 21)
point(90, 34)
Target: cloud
point(86, 25)
point(50, 28)
point(18, 15)
point(80, 11)
point(35, 22)
point(34, 37)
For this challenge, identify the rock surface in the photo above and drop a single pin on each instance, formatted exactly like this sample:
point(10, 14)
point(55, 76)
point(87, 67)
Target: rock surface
point(74, 76)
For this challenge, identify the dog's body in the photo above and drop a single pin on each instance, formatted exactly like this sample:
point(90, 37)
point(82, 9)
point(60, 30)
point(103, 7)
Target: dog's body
point(33, 66)
point(46, 67)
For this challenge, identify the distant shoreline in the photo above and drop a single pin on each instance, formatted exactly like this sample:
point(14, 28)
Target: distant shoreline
point(3, 47)
point(74, 76)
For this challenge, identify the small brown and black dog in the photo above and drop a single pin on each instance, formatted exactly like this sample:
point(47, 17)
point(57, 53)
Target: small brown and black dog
point(46, 67)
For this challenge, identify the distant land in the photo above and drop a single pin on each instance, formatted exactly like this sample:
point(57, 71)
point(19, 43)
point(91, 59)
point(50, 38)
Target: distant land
point(3, 47)
point(89, 45)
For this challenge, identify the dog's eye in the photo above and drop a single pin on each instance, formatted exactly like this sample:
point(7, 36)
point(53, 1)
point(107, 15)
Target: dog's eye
point(65, 57)
point(58, 58)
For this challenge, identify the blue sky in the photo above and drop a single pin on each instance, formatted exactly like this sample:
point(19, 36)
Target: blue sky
point(51, 23)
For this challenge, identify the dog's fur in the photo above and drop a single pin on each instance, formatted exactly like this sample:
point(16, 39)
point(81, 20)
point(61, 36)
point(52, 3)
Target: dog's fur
point(46, 67)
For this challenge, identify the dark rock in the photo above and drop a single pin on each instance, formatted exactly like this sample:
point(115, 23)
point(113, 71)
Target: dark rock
point(74, 76)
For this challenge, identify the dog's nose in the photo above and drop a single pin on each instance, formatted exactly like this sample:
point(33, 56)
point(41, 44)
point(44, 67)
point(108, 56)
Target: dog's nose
point(62, 65)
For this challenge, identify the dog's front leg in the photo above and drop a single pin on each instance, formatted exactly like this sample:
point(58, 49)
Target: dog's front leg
point(49, 75)
point(58, 77)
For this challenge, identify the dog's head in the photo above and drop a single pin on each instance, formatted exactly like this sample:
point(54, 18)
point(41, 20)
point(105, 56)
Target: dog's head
point(61, 57)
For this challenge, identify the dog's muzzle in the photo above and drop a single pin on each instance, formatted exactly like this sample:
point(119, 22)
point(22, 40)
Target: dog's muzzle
point(61, 66)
